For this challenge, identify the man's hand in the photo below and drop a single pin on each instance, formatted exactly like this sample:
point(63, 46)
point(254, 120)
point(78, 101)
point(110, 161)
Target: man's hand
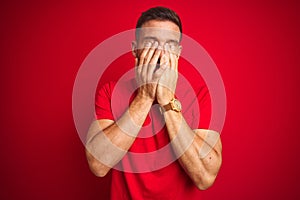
point(168, 81)
point(147, 75)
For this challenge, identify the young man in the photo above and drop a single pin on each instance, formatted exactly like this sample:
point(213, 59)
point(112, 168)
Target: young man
point(155, 146)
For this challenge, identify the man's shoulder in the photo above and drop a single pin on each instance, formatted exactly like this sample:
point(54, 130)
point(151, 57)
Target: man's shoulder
point(117, 89)
point(112, 85)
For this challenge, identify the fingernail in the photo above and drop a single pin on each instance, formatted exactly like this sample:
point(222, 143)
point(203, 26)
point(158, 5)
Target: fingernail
point(148, 44)
point(155, 43)
point(165, 46)
point(160, 47)
point(172, 47)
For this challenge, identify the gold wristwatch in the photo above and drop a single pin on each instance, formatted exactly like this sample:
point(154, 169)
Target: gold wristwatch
point(174, 105)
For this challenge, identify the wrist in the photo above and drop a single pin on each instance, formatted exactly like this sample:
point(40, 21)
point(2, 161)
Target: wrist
point(144, 98)
point(165, 100)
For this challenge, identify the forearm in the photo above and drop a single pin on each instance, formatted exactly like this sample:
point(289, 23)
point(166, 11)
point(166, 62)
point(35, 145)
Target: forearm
point(107, 144)
point(199, 150)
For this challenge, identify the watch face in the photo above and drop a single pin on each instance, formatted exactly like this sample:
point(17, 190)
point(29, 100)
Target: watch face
point(177, 105)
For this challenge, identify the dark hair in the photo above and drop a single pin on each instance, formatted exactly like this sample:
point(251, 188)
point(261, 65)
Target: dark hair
point(158, 13)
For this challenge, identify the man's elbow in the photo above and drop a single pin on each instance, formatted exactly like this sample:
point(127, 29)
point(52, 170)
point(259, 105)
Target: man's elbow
point(205, 182)
point(99, 173)
point(98, 168)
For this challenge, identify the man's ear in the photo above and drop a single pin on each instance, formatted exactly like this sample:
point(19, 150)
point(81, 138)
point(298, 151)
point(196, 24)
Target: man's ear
point(179, 51)
point(134, 48)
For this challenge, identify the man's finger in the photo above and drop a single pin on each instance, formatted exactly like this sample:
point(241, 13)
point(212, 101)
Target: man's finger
point(144, 53)
point(165, 58)
point(149, 68)
point(153, 62)
point(172, 58)
point(136, 65)
point(147, 59)
point(150, 53)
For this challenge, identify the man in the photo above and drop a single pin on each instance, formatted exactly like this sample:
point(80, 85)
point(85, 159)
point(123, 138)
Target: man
point(154, 110)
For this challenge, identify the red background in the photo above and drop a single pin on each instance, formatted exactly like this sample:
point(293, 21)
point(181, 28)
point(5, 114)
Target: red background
point(255, 46)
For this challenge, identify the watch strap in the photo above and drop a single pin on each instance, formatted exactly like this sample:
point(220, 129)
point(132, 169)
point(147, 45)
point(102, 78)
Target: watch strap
point(167, 107)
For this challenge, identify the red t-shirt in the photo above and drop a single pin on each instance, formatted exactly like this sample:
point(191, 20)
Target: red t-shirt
point(161, 177)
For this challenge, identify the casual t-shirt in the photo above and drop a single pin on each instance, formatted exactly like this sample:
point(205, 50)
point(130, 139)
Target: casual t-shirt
point(150, 170)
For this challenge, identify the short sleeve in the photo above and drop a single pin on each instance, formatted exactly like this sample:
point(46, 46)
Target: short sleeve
point(204, 101)
point(103, 102)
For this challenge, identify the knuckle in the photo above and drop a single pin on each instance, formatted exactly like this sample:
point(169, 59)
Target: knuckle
point(146, 57)
point(142, 56)
point(149, 57)
point(158, 51)
point(153, 63)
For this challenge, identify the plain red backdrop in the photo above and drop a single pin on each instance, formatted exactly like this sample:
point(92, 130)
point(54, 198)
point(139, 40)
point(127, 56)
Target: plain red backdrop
point(255, 46)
